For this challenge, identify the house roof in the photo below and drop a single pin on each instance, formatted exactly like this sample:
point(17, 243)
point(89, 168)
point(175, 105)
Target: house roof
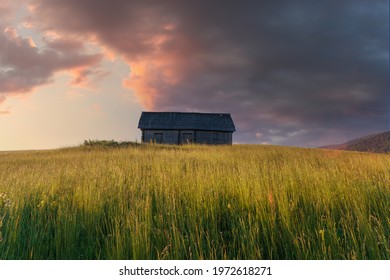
point(178, 120)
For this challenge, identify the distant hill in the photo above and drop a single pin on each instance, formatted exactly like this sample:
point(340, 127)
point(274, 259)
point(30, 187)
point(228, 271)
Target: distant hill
point(376, 143)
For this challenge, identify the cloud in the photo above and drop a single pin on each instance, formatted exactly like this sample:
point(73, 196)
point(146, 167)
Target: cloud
point(23, 66)
point(65, 45)
point(305, 68)
point(7, 9)
point(82, 76)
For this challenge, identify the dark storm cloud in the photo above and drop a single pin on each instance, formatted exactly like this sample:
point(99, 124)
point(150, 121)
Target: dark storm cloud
point(290, 72)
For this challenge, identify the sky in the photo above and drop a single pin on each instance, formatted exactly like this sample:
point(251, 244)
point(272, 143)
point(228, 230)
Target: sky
point(298, 73)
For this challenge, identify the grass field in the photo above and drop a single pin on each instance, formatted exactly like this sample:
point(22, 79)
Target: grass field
point(194, 202)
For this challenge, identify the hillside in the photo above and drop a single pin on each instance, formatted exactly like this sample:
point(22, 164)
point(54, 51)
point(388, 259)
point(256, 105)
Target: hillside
point(376, 143)
point(194, 202)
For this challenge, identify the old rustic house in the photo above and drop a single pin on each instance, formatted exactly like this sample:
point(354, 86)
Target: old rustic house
point(179, 128)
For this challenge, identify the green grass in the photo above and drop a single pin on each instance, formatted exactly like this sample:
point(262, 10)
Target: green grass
point(194, 202)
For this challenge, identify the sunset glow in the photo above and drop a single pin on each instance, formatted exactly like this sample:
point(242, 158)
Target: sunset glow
point(302, 73)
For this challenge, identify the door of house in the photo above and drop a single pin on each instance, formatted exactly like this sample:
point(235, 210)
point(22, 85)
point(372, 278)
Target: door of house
point(187, 137)
point(158, 138)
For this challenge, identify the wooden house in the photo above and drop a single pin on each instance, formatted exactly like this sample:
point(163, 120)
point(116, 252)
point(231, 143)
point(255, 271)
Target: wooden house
point(181, 128)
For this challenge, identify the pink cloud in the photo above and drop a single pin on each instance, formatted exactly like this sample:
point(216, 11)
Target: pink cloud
point(148, 39)
point(66, 45)
point(24, 67)
point(7, 8)
point(82, 76)
point(253, 59)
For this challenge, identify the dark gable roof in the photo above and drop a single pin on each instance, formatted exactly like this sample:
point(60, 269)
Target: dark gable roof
point(176, 120)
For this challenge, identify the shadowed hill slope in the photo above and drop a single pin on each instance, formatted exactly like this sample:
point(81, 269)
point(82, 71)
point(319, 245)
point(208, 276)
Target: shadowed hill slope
point(376, 143)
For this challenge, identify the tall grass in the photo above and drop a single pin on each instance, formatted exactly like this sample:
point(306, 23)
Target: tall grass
point(194, 202)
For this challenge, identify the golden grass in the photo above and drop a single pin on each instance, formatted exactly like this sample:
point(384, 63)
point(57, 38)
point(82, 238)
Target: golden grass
point(194, 202)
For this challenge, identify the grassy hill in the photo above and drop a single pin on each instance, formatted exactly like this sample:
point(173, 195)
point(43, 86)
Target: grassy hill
point(376, 143)
point(194, 202)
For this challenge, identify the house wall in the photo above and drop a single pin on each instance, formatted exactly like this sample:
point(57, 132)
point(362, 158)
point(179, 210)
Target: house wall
point(187, 136)
point(168, 136)
point(213, 137)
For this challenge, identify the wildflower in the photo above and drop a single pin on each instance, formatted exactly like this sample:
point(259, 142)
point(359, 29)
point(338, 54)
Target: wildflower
point(270, 198)
point(322, 234)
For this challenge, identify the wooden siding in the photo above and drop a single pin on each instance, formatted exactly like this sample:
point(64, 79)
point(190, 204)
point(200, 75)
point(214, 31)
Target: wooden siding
point(168, 136)
point(214, 137)
point(187, 136)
